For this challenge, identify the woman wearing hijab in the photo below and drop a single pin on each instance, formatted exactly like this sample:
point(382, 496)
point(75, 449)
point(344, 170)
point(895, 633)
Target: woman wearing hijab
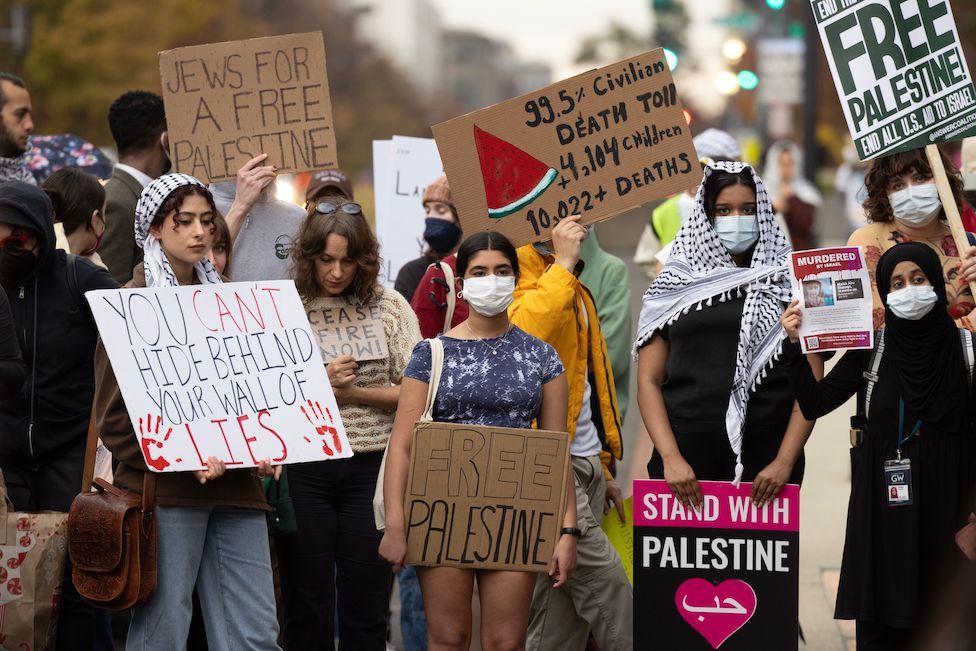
point(794, 197)
point(210, 525)
point(713, 399)
point(903, 205)
point(912, 470)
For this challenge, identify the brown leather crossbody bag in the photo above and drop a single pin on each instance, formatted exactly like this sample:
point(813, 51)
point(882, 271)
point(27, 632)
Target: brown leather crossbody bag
point(112, 538)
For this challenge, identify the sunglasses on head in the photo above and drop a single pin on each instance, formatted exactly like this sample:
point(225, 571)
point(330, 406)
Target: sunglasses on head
point(16, 243)
point(329, 207)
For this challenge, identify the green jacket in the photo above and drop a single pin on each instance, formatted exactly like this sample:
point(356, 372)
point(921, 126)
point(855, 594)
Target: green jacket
point(608, 280)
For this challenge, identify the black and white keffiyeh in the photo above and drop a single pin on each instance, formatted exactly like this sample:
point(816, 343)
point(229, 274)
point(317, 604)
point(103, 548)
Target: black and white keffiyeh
point(16, 169)
point(701, 270)
point(159, 273)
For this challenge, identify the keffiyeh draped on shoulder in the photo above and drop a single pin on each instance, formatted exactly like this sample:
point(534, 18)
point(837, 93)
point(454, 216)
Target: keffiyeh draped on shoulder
point(159, 272)
point(701, 270)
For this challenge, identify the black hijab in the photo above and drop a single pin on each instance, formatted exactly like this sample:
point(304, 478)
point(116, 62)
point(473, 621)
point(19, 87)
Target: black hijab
point(926, 354)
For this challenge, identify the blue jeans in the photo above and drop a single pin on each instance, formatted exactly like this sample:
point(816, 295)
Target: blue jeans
point(223, 551)
point(413, 622)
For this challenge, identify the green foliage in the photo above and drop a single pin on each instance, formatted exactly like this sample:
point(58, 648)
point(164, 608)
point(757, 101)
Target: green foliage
point(85, 53)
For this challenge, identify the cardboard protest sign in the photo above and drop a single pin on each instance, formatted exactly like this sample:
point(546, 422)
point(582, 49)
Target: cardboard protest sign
point(229, 102)
point(402, 169)
point(900, 73)
point(834, 291)
point(229, 371)
point(725, 576)
point(596, 144)
point(355, 330)
point(485, 497)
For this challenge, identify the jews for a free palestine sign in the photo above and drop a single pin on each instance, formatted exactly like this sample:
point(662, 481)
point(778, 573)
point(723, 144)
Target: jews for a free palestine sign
point(724, 576)
point(900, 72)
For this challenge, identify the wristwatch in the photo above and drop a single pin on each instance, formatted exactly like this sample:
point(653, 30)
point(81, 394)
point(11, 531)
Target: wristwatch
point(572, 531)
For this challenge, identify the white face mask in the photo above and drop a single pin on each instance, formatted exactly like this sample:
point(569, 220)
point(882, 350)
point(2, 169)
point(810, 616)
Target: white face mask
point(912, 302)
point(489, 295)
point(737, 232)
point(916, 205)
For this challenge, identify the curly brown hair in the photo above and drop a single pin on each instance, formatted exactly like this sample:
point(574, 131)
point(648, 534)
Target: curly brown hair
point(362, 247)
point(882, 170)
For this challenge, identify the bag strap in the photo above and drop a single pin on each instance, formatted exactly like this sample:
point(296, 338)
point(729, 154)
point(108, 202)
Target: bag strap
point(436, 365)
point(90, 447)
point(451, 295)
point(871, 375)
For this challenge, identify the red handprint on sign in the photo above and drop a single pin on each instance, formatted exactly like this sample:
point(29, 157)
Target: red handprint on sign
point(149, 437)
point(321, 428)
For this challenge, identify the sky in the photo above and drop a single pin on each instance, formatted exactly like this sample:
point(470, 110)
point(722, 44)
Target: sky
point(548, 31)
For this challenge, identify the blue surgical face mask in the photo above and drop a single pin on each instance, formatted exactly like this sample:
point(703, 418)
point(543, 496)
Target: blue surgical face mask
point(912, 302)
point(737, 232)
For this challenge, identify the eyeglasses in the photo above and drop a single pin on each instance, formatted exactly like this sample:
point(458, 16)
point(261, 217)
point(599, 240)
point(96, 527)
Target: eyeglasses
point(328, 207)
point(16, 243)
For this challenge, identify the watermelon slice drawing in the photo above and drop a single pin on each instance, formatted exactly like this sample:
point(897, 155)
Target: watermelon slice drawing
point(513, 179)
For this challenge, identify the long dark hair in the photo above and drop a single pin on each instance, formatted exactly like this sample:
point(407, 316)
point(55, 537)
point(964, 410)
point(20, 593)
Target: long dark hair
point(75, 194)
point(876, 206)
point(717, 181)
point(362, 247)
point(486, 241)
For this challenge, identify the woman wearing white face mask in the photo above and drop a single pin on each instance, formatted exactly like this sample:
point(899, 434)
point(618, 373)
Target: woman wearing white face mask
point(902, 516)
point(493, 373)
point(903, 206)
point(714, 401)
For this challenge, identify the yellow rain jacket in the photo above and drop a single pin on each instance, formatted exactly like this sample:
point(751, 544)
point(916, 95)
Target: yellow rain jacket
point(547, 306)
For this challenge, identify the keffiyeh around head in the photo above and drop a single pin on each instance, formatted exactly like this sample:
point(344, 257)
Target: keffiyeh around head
point(701, 270)
point(159, 272)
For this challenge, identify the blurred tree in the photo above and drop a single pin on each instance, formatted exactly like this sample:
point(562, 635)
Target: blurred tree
point(616, 42)
point(85, 53)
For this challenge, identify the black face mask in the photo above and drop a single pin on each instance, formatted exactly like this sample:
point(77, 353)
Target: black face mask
point(442, 234)
point(17, 270)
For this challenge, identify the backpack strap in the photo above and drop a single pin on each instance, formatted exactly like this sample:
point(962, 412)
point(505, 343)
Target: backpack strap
point(451, 294)
point(871, 375)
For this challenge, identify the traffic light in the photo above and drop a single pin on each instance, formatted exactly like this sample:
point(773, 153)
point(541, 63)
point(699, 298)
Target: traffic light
point(671, 57)
point(775, 5)
point(748, 80)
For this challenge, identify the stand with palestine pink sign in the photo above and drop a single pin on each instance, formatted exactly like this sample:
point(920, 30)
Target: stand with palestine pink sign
point(725, 576)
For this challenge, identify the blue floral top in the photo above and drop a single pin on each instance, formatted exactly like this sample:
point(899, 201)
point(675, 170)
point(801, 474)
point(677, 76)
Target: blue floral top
point(496, 382)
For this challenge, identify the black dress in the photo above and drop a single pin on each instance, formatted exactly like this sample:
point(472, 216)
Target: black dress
point(895, 557)
point(700, 371)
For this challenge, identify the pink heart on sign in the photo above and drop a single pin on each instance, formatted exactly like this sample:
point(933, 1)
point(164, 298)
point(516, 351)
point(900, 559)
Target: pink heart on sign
point(716, 611)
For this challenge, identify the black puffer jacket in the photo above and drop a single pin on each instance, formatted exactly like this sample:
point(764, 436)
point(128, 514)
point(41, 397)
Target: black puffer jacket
point(57, 336)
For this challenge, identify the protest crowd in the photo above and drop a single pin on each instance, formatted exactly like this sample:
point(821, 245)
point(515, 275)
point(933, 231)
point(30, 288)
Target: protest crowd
point(494, 333)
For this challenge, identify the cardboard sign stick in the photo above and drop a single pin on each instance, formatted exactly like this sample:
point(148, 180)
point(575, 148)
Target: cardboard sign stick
point(949, 203)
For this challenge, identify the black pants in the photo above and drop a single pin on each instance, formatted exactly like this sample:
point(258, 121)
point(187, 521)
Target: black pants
point(335, 555)
point(872, 636)
point(52, 487)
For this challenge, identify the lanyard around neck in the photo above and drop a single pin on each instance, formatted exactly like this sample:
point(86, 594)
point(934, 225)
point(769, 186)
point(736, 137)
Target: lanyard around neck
point(902, 437)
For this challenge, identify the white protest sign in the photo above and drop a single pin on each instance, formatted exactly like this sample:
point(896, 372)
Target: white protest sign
point(834, 290)
point(899, 71)
point(411, 165)
point(230, 371)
